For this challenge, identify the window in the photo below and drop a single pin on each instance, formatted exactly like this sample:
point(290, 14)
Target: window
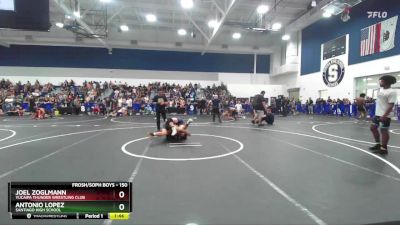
point(7, 5)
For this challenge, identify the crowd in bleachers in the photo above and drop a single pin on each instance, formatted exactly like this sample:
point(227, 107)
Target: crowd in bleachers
point(106, 98)
point(120, 99)
point(13, 95)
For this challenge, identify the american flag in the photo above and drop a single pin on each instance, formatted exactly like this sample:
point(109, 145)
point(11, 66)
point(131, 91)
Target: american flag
point(370, 39)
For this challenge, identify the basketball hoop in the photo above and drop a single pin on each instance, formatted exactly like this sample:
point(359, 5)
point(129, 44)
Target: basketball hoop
point(346, 14)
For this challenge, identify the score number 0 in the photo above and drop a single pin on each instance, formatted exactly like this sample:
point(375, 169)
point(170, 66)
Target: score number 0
point(121, 206)
point(121, 194)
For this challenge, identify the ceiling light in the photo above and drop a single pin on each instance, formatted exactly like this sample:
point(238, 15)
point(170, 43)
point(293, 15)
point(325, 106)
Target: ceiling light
point(327, 13)
point(151, 18)
point(276, 26)
point(236, 35)
point(286, 37)
point(262, 9)
point(105, 1)
point(258, 29)
point(77, 14)
point(191, 224)
point(187, 4)
point(60, 25)
point(212, 23)
point(124, 28)
point(313, 3)
point(182, 32)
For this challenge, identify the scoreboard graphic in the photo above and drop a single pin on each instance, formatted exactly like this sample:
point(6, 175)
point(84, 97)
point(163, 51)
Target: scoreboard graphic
point(334, 48)
point(70, 200)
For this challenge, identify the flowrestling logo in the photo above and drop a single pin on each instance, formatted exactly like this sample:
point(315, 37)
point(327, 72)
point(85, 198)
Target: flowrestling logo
point(377, 14)
point(333, 73)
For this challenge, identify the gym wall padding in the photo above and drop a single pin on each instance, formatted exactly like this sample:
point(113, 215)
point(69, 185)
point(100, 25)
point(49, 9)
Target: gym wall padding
point(84, 57)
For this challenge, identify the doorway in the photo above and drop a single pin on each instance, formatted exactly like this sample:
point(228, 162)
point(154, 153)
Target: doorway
point(294, 93)
point(323, 94)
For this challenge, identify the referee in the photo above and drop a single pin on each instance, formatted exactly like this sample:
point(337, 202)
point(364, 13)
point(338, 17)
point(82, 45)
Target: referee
point(161, 101)
point(215, 104)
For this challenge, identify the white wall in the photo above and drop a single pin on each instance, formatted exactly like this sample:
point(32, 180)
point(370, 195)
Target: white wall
point(310, 84)
point(57, 75)
point(249, 90)
point(379, 66)
point(292, 49)
point(276, 60)
point(286, 81)
point(243, 78)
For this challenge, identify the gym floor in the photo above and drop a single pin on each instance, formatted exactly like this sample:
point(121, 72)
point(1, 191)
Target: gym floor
point(301, 170)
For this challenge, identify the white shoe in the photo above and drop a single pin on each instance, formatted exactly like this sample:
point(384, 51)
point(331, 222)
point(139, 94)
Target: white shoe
point(189, 121)
point(174, 131)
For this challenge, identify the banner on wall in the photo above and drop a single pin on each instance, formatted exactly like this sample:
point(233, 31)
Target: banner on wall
point(379, 37)
point(334, 60)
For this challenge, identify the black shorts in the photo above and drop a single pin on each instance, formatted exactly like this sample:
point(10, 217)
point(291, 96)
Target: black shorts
point(177, 137)
point(269, 119)
point(384, 125)
point(361, 109)
point(215, 110)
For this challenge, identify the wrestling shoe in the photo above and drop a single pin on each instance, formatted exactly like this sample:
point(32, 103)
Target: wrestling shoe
point(375, 147)
point(174, 131)
point(151, 134)
point(382, 151)
point(189, 121)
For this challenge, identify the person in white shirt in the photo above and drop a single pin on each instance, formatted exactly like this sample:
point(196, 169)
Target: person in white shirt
point(129, 103)
point(384, 106)
point(239, 107)
point(119, 104)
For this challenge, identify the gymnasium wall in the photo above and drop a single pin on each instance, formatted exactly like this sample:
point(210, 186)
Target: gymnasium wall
point(133, 59)
point(56, 64)
point(328, 29)
point(310, 80)
point(311, 84)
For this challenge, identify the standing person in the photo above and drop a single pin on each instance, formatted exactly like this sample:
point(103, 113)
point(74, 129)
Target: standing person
point(161, 101)
point(239, 108)
point(293, 106)
point(310, 106)
point(285, 106)
point(273, 104)
point(32, 104)
point(215, 108)
point(202, 105)
point(77, 105)
point(108, 104)
point(360, 102)
point(259, 108)
point(129, 104)
point(384, 105)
